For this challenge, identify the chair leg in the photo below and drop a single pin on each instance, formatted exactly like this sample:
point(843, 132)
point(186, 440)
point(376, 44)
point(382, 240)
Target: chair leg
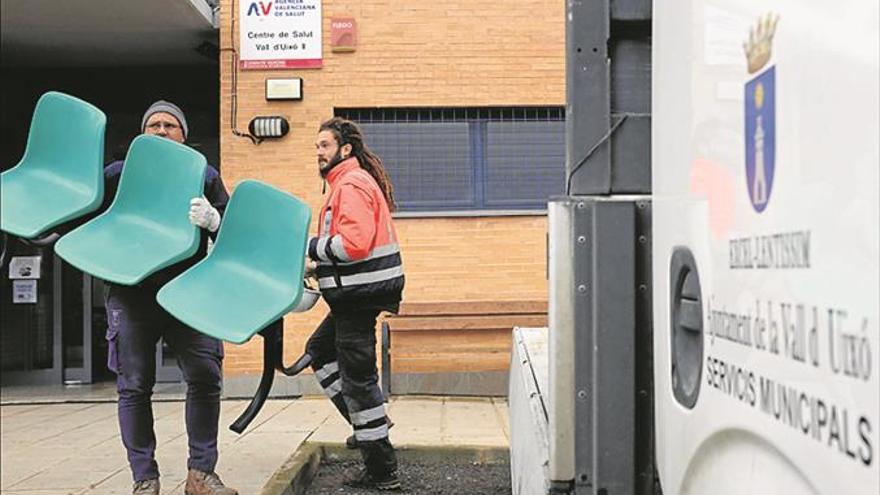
point(302, 363)
point(271, 354)
point(273, 347)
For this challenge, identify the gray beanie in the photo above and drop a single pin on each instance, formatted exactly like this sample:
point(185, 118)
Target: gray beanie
point(167, 107)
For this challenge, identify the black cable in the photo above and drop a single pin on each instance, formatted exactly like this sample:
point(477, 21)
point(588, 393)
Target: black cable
point(589, 153)
point(233, 113)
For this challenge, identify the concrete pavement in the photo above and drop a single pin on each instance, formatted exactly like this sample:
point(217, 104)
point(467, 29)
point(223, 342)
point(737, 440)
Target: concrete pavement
point(74, 448)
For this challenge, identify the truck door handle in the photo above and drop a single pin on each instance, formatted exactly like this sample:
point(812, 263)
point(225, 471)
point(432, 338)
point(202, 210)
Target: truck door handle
point(686, 327)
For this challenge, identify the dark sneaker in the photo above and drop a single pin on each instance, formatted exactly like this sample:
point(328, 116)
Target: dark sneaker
point(384, 484)
point(203, 483)
point(146, 487)
point(351, 442)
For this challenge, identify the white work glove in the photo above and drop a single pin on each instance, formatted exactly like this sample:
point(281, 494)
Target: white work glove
point(311, 269)
point(202, 214)
point(310, 274)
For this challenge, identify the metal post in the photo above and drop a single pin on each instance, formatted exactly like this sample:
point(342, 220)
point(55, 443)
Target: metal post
point(607, 258)
point(561, 395)
point(88, 365)
point(608, 108)
point(584, 307)
point(613, 330)
point(646, 483)
point(57, 320)
point(588, 98)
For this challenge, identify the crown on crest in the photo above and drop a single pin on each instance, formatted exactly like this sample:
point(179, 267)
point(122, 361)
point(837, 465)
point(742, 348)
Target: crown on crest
point(759, 46)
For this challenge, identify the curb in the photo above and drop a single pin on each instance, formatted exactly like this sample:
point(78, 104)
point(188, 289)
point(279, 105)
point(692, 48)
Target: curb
point(297, 472)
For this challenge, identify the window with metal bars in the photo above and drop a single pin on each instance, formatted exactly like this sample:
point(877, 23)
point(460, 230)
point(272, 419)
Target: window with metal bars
point(468, 159)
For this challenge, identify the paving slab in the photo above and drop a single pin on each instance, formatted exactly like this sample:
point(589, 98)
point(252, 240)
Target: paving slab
point(75, 448)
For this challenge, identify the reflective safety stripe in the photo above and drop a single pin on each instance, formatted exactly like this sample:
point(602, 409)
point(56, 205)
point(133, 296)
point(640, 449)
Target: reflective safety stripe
point(334, 388)
point(328, 218)
point(369, 434)
point(327, 370)
point(322, 248)
point(338, 249)
point(379, 252)
point(365, 416)
point(362, 278)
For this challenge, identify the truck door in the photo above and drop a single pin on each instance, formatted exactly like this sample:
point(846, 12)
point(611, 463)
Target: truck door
point(766, 248)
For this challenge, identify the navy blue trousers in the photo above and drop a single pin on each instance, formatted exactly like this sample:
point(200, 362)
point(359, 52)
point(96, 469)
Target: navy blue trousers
point(343, 350)
point(135, 324)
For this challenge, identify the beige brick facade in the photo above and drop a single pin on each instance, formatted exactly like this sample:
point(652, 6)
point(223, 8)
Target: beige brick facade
point(413, 53)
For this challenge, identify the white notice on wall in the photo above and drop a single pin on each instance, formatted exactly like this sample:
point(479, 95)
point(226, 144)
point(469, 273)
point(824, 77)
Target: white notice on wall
point(24, 267)
point(280, 34)
point(24, 291)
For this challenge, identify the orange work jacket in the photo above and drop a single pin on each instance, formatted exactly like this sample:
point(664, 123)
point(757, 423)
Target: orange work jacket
point(359, 263)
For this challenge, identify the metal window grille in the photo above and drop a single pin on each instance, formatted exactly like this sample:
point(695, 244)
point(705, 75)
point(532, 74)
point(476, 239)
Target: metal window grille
point(476, 158)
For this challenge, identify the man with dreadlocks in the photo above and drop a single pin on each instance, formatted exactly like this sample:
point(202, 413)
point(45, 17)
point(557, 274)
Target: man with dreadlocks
point(360, 274)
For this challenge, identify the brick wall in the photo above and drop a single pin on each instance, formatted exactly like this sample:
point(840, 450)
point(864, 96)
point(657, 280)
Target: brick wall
point(414, 53)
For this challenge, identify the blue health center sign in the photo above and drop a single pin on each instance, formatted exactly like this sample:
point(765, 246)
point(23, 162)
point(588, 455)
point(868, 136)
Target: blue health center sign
point(760, 137)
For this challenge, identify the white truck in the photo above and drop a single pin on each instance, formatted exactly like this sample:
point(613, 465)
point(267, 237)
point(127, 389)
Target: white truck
point(766, 160)
point(764, 269)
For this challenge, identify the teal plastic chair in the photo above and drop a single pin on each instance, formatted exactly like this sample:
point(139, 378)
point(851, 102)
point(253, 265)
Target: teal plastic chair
point(61, 175)
point(146, 227)
point(254, 275)
point(250, 280)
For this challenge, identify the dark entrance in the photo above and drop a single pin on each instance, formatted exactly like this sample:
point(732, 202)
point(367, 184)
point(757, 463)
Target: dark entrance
point(59, 337)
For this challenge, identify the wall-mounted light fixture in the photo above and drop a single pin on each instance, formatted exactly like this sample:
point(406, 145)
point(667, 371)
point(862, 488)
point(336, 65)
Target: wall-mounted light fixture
point(284, 89)
point(268, 127)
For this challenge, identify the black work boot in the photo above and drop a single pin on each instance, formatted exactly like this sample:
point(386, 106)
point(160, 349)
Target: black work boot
point(364, 479)
point(146, 487)
point(351, 442)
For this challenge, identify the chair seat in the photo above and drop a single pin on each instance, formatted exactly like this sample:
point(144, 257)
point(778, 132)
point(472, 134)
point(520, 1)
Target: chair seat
point(34, 200)
point(123, 249)
point(254, 274)
point(226, 299)
point(146, 227)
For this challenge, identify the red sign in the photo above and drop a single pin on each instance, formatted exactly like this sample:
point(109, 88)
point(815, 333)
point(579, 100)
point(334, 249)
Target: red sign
point(343, 34)
point(311, 63)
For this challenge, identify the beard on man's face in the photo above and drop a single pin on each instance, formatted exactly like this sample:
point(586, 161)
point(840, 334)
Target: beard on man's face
point(325, 166)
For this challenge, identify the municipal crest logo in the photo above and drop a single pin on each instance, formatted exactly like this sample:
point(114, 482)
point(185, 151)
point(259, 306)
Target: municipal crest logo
point(760, 112)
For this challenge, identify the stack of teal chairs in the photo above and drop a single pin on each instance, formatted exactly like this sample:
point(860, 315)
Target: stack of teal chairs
point(251, 279)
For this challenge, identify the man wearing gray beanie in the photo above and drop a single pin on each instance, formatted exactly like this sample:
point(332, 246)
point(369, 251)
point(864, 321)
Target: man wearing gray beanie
point(165, 119)
point(136, 323)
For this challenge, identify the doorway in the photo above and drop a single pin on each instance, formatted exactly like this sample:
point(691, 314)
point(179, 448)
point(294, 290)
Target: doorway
point(53, 323)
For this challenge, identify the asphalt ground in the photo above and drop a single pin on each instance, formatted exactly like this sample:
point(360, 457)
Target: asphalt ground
point(447, 477)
